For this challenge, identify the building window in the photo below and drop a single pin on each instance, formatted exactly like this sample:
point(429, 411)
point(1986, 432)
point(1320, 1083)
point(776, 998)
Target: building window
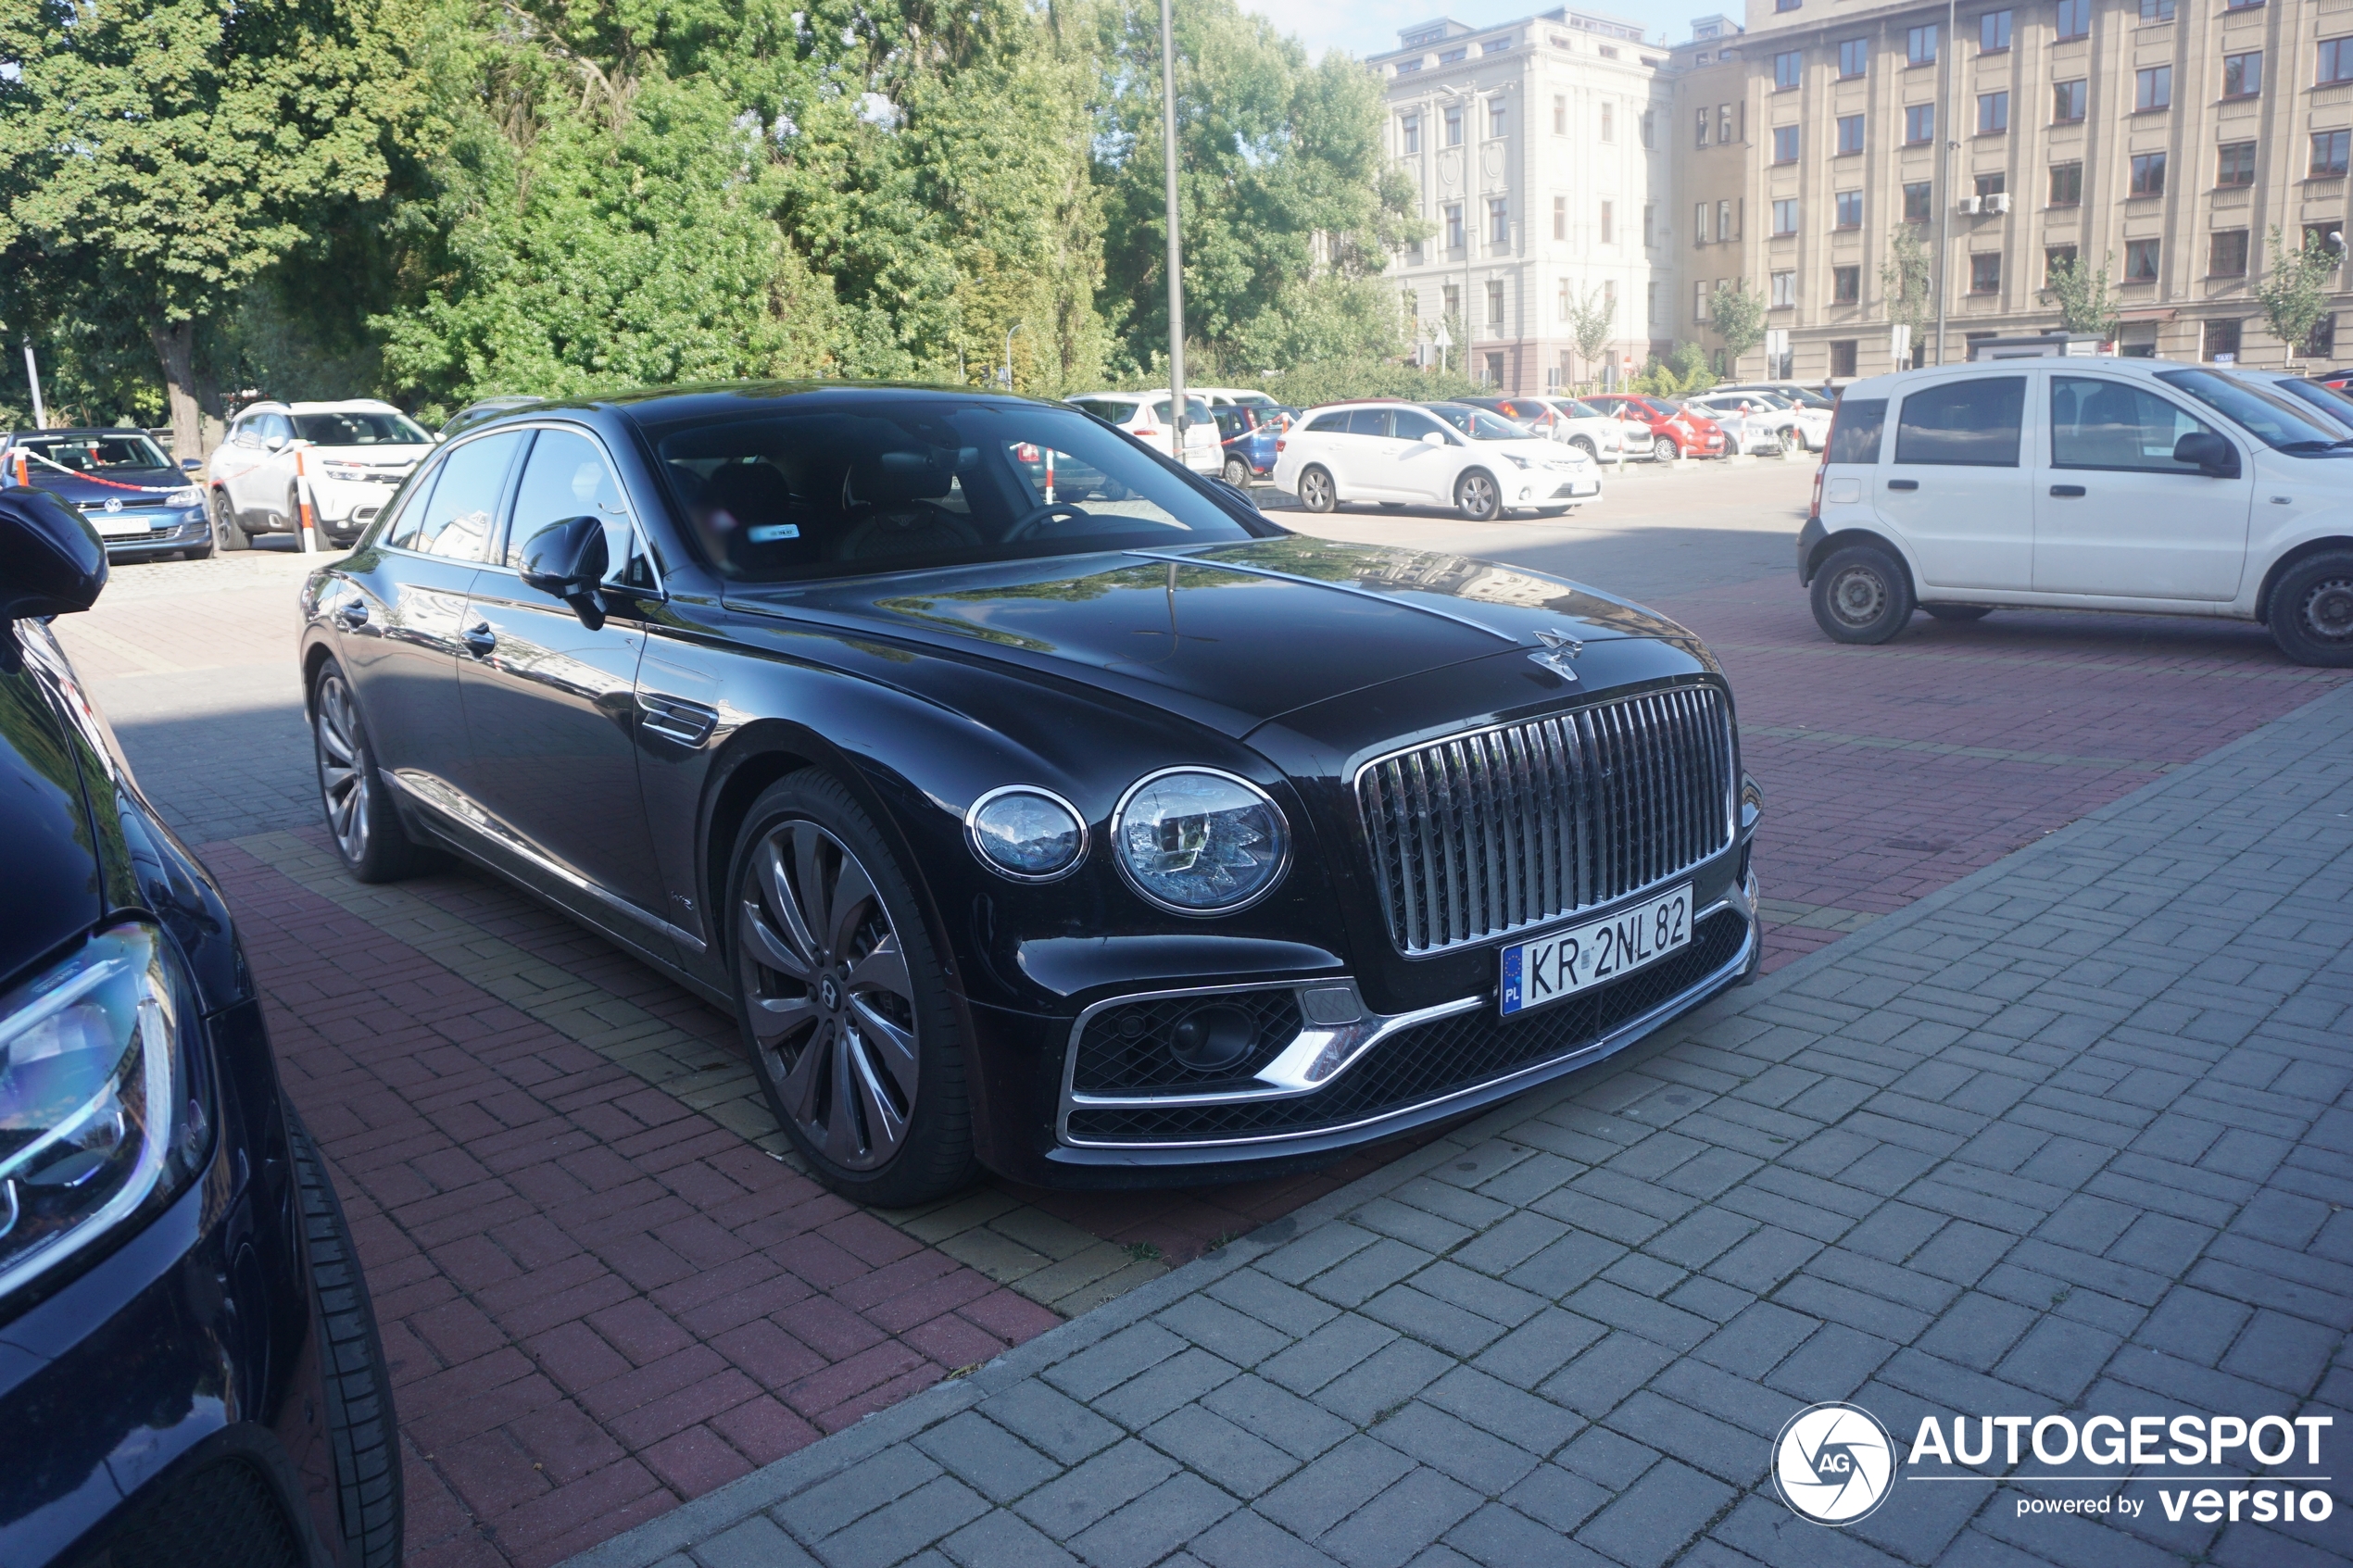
point(1493, 375)
point(2321, 343)
point(1560, 218)
point(2157, 10)
point(1920, 45)
point(1992, 185)
point(2152, 89)
point(1699, 224)
point(1494, 118)
point(2226, 254)
point(1785, 217)
point(2242, 75)
point(2052, 257)
point(2148, 175)
point(2140, 261)
point(2336, 61)
point(2067, 185)
point(1609, 223)
point(1785, 143)
point(1847, 285)
point(1854, 56)
point(2075, 19)
point(1495, 303)
point(2067, 99)
point(1992, 113)
point(1556, 376)
point(1726, 227)
point(1409, 133)
point(1454, 126)
point(1850, 208)
point(1566, 299)
point(1992, 32)
point(1786, 5)
point(1985, 272)
point(1842, 356)
point(1455, 227)
point(1650, 225)
point(1448, 57)
point(1850, 134)
point(1918, 202)
point(2220, 343)
point(1499, 222)
point(1404, 66)
point(1454, 295)
point(1644, 125)
point(2236, 164)
point(1699, 136)
point(1560, 115)
point(2329, 149)
point(1651, 305)
point(1609, 122)
point(1784, 290)
point(1700, 292)
point(1724, 137)
point(1786, 66)
point(1920, 124)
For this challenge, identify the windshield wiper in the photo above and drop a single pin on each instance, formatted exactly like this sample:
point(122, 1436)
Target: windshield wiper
point(2314, 445)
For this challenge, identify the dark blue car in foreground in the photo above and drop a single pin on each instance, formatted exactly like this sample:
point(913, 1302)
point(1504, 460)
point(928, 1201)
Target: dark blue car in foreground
point(190, 1373)
point(144, 507)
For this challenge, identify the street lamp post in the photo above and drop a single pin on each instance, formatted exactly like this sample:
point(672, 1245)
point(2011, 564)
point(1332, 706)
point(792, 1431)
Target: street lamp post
point(1949, 73)
point(1009, 354)
point(1175, 248)
point(32, 375)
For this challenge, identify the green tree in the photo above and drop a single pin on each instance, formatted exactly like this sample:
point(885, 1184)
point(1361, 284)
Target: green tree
point(2086, 301)
point(1592, 321)
point(2295, 290)
point(1907, 281)
point(160, 157)
point(1739, 319)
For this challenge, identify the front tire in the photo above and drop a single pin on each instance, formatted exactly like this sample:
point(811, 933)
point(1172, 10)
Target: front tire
point(1478, 497)
point(358, 803)
point(1664, 450)
point(843, 1002)
point(2312, 612)
point(1585, 447)
point(227, 534)
point(1862, 595)
point(1315, 491)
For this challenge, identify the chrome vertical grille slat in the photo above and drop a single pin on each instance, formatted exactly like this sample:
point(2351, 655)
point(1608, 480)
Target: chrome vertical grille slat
point(1480, 834)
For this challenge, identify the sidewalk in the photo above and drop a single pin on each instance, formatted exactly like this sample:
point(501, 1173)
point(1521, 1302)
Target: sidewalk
point(2070, 1135)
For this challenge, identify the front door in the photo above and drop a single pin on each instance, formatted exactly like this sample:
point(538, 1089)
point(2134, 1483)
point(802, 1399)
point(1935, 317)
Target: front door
point(1957, 493)
point(1367, 455)
point(2115, 515)
point(550, 704)
point(1422, 470)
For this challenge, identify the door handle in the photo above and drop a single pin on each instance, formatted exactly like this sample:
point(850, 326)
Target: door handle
point(1903, 484)
point(2067, 490)
point(480, 639)
point(353, 613)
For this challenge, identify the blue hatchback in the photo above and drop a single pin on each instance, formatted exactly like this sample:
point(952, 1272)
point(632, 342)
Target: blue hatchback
point(142, 507)
point(1248, 434)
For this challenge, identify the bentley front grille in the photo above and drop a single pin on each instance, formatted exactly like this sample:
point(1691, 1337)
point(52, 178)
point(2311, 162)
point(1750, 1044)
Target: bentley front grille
point(1480, 834)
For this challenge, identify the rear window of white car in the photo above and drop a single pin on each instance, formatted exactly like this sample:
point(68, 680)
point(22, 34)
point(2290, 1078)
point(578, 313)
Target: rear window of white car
point(1855, 430)
point(1971, 424)
point(1107, 409)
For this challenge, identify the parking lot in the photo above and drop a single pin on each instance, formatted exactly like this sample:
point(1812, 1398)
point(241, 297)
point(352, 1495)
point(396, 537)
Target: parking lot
point(604, 1289)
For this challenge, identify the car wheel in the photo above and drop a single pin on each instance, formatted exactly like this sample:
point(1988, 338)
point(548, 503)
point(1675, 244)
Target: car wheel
point(226, 533)
point(1316, 492)
point(361, 1432)
point(1585, 447)
point(843, 1002)
point(2312, 612)
point(1959, 612)
point(1237, 472)
point(1664, 450)
point(361, 815)
point(1477, 498)
point(1862, 595)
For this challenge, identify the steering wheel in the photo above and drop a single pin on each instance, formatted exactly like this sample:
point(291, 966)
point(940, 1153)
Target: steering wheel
point(1033, 521)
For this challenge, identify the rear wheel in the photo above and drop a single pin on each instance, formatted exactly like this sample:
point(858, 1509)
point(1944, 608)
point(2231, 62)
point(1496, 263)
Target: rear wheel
point(1862, 595)
point(226, 532)
point(1316, 492)
point(361, 815)
point(1478, 497)
point(1237, 472)
point(1959, 612)
point(2312, 612)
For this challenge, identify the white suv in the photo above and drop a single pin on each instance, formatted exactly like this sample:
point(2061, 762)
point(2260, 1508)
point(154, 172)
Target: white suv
point(350, 455)
point(1144, 415)
point(1438, 454)
point(2125, 484)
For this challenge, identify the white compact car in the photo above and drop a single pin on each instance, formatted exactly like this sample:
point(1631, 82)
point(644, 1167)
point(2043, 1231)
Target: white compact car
point(1595, 432)
point(1145, 415)
point(1751, 424)
point(2125, 484)
point(1438, 454)
point(1801, 425)
point(350, 455)
point(1227, 396)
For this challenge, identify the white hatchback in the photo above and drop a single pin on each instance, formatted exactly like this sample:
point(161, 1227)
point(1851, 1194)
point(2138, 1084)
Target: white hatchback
point(1441, 454)
point(2124, 484)
point(1145, 415)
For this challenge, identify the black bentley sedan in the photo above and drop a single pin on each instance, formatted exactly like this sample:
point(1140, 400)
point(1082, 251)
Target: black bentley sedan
point(190, 1376)
point(1029, 799)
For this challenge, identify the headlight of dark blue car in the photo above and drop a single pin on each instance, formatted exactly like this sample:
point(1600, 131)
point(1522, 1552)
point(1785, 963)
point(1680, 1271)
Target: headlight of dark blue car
point(101, 1121)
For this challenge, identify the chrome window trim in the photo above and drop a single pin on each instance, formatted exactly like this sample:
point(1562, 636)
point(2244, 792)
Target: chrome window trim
point(972, 833)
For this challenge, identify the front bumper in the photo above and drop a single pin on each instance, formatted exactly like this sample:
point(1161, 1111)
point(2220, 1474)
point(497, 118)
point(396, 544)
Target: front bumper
point(187, 529)
point(346, 506)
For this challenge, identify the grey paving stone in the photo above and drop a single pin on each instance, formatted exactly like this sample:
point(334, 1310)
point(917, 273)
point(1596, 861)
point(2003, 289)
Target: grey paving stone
point(1291, 1423)
point(1446, 1442)
point(1081, 1496)
point(1246, 1541)
point(1499, 1536)
point(1334, 1486)
point(1457, 1330)
point(1342, 1344)
point(1652, 1520)
point(1366, 1274)
point(1395, 1527)
point(1609, 1458)
point(1236, 1337)
point(1201, 1439)
point(1052, 1422)
point(758, 1542)
point(1833, 1363)
point(1538, 1347)
point(999, 1539)
point(1100, 1368)
point(1594, 1382)
point(1536, 1425)
point(1146, 1530)
point(1388, 1377)
point(1177, 1381)
point(898, 1531)
point(986, 1456)
point(885, 1479)
point(2058, 1358)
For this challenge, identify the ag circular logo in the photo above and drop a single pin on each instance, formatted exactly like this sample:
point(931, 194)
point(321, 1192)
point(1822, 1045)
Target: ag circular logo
point(1834, 1464)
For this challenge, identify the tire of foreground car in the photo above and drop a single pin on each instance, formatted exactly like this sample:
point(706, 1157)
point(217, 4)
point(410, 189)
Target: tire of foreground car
point(360, 1426)
point(842, 1000)
point(226, 534)
point(1959, 612)
point(1315, 491)
point(1862, 595)
point(1478, 497)
point(2312, 612)
point(353, 796)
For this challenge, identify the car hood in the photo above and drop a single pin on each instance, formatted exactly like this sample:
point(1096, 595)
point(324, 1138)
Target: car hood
point(1230, 636)
point(46, 837)
point(147, 484)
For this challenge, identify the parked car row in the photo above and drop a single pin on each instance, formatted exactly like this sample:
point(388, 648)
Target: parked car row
point(1430, 454)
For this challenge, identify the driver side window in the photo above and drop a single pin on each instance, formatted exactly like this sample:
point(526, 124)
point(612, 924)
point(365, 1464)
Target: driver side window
point(566, 476)
point(1412, 424)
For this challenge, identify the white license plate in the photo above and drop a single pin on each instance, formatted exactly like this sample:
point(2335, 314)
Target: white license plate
point(1561, 964)
point(120, 526)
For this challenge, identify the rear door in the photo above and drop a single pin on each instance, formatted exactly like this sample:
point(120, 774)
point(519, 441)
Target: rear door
point(1958, 492)
point(2115, 516)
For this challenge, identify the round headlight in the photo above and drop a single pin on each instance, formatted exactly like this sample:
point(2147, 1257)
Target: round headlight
point(1198, 842)
point(1028, 835)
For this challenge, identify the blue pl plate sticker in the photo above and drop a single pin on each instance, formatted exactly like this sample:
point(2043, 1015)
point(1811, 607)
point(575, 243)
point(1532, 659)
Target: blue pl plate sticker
point(772, 533)
point(1511, 978)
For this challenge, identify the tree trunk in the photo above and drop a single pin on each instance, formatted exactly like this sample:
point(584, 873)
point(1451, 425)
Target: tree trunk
point(176, 347)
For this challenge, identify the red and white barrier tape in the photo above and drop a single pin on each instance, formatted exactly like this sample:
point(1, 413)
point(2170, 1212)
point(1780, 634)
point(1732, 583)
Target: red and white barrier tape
point(20, 454)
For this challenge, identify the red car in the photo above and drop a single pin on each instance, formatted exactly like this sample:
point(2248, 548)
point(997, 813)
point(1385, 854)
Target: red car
point(1675, 431)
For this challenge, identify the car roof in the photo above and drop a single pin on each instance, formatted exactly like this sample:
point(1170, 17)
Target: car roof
point(74, 430)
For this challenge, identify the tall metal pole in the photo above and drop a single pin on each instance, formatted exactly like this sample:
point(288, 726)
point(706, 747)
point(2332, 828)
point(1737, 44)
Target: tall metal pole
point(1175, 248)
point(32, 374)
point(1949, 72)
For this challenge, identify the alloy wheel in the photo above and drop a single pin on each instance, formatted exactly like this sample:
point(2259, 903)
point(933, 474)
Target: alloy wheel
point(1236, 472)
point(1858, 595)
point(2327, 610)
point(827, 995)
point(343, 767)
point(1315, 491)
point(1478, 497)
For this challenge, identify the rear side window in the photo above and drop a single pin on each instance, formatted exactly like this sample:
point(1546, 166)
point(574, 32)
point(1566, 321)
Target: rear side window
point(456, 519)
point(1855, 430)
point(1105, 409)
point(1963, 424)
point(1334, 423)
point(1368, 421)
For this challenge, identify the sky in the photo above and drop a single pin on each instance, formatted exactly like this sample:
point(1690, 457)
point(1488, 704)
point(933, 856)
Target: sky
point(1369, 27)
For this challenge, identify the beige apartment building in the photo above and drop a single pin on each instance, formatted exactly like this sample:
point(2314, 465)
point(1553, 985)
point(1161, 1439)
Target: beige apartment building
point(1542, 150)
point(2166, 137)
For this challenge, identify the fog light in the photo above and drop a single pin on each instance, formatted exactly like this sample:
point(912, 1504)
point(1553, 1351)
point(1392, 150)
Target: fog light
point(1213, 1037)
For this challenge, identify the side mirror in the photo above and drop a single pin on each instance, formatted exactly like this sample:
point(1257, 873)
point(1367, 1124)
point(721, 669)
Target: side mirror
point(2209, 453)
point(51, 562)
point(275, 443)
point(567, 562)
point(190, 465)
point(1431, 438)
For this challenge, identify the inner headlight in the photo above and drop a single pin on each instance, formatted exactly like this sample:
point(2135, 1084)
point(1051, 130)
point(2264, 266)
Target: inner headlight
point(99, 1118)
point(342, 470)
point(1198, 842)
point(1516, 460)
point(1028, 835)
point(186, 495)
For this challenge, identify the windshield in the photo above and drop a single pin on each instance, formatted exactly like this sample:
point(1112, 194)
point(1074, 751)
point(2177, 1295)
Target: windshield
point(2332, 403)
point(913, 483)
point(2276, 421)
point(1806, 397)
point(1480, 425)
point(1575, 410)
point(361, 429)
point(87, 454)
